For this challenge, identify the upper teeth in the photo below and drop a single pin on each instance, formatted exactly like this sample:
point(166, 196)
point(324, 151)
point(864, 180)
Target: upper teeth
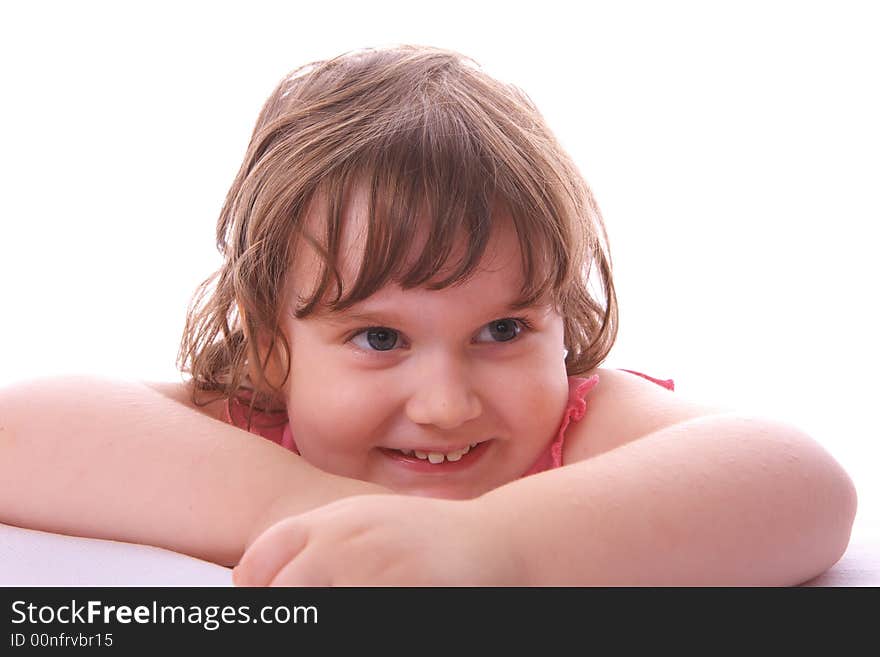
point(439, 457)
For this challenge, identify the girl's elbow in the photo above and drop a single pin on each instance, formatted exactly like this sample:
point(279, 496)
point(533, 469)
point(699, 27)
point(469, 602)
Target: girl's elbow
point(847, 505)
point(818, 498)
point(836, 504)
point(835, 524)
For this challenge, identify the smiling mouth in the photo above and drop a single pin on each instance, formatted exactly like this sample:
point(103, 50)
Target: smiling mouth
point(435, 458)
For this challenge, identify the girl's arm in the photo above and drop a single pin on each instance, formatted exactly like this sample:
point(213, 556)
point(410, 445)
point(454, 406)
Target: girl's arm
point(715, 500)
point(120, 460)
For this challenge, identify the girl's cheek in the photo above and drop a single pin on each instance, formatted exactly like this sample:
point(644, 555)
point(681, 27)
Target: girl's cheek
point(347, 408)
point(544, 398)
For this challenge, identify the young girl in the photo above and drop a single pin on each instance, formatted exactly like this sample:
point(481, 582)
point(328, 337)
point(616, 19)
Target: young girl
point(395, 378)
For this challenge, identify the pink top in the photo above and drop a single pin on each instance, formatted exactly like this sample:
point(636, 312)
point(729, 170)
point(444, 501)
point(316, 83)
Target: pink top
point(275, 427)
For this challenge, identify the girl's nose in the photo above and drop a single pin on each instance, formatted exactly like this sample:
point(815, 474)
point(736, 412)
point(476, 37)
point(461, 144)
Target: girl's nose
point(443, 396)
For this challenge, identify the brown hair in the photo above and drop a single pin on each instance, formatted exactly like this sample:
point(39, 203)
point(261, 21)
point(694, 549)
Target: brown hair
point(434, 140)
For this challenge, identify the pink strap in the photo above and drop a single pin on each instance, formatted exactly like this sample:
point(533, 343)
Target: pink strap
point(273, 426)
point(669, 384)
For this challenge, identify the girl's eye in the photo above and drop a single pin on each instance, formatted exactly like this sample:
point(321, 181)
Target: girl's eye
point(503, 330)
point(378, 339)
point(381, 338)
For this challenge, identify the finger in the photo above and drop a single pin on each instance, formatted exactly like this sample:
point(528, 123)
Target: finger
point(302, 571)
point(274, 548)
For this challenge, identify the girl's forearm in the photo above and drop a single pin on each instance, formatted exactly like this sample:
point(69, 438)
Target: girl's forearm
point(118, 460)
point(718, 500)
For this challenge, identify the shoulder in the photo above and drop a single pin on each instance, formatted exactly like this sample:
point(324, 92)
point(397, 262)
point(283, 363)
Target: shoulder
point(624, 407)
point(183, 394)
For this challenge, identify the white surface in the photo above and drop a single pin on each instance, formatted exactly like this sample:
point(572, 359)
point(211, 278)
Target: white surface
point(860, 566)
point(29, 558)
point(32, 558)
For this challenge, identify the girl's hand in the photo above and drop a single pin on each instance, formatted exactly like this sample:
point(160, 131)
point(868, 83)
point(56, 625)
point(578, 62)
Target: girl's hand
point(382, 540)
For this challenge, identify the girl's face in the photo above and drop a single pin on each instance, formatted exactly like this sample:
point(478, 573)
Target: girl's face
point(427, 371)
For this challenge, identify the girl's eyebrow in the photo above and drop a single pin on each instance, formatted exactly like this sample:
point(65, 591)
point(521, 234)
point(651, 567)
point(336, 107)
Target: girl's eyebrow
point(380, 318)
point(348, 317)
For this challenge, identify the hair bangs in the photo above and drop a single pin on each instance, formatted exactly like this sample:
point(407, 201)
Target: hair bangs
point(435, 192)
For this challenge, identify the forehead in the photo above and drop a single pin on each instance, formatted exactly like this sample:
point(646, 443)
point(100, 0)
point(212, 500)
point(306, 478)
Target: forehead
point(500, 265)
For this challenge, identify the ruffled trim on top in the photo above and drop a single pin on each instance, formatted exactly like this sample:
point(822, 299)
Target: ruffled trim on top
point(577, 406)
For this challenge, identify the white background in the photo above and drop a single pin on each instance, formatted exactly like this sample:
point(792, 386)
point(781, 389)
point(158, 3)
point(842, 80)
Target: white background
point(733, 147)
